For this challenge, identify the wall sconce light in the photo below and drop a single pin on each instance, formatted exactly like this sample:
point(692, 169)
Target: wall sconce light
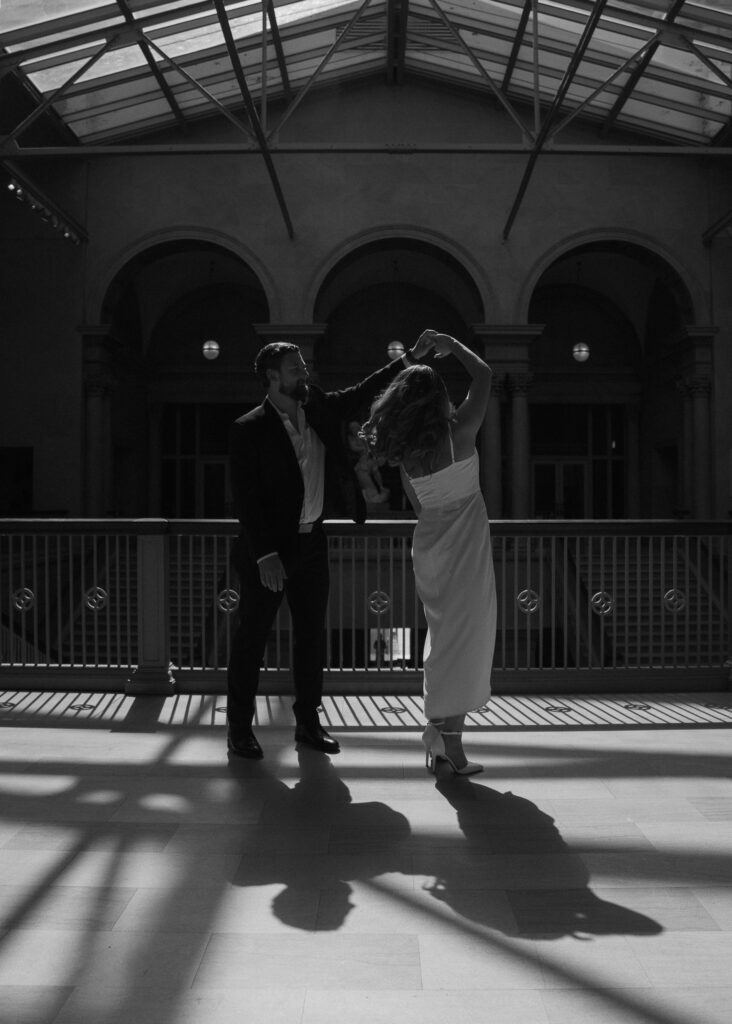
point(581, 352)
point(395, 349)
point(211, 350)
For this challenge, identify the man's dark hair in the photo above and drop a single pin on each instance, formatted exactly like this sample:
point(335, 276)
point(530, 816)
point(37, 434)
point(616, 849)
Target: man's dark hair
point(270, 358)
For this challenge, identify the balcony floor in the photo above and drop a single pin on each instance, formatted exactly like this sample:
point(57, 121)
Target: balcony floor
point(586, 875)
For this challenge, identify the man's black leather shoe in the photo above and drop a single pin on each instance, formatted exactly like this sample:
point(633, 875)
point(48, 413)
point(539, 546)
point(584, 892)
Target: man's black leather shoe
point(243, 743)
point(314, 735)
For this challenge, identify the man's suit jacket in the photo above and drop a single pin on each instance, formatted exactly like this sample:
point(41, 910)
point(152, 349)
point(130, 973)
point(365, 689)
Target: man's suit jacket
point(265, 474)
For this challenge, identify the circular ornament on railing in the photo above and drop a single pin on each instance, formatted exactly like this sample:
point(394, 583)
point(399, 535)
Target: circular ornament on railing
point(602, 603)
point(228, 600)
point(96, 598)
point(674, 600)
point(528, 601)
point(24, 599)
point(379, 602)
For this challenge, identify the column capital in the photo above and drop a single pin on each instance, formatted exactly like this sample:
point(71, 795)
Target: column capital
point(519, 383)
point(305, 336)
point(508, 332)
point(506, 346)
point(296, 334)
point(698, 384)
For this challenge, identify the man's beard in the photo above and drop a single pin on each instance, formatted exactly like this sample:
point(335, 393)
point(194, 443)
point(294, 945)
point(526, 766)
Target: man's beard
point(299, 391)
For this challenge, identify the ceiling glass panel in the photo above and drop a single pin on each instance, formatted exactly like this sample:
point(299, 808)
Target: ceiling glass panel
point(19, 14)
point(679, 96)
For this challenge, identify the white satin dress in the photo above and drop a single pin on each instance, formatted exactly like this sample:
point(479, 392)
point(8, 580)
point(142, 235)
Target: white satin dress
point(453, 569)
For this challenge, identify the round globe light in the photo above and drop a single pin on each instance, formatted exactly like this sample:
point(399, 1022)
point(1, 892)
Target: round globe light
point(581, 352)
point(395, 349)
point(211, 350)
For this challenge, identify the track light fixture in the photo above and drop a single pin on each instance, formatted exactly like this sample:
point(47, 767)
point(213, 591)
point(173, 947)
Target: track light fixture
point(24, 196)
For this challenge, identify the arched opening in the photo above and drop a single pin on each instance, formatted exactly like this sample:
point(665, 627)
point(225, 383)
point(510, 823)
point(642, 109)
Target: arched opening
point(605, 413)
point(390, 290)
point(181, 318)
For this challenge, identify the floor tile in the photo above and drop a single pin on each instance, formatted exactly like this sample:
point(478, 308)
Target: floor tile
point(62, 907)
point(32, 1004)
point(374, 907)
point(99, 959)
point(585, 876)
point(263, 908)
point(498, 1006)
point(126, 1005)
point(686, 959)
point(319, 961)
point(474, 959)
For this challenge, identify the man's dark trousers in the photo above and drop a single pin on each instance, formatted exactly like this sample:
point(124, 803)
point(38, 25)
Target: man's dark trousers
point(305, 559)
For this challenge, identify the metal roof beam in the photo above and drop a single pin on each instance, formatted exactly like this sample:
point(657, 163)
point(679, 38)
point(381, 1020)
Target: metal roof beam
point(279, 50)
point(638, 71)
point(252, 112)
point(484, 74)
point(714, 229)
point(517, 44)
point(638, 55)
point(141, 150)
point(157, 73)
point(55, 96)
point(574, 63)
point(340, 39)
point(397, 14)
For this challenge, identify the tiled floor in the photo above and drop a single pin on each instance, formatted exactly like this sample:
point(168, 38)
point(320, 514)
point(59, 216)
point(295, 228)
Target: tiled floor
point(585, 876)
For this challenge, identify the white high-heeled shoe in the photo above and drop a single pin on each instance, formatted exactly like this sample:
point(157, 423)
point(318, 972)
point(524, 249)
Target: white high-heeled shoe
point(434, 745)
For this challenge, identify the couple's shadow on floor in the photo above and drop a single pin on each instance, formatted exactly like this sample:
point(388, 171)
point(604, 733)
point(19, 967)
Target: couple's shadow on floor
point(547, 893)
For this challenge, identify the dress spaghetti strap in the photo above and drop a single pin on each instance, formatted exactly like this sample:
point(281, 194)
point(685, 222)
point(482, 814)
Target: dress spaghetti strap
point(452, 448)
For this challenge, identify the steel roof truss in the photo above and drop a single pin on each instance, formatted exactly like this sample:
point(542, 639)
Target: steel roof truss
point(55, 96)
point(637, 56)
point(484, 74)
point(319, 69)
point(397, 14)
point(152, 64)
point(252, 113)
point(517, 43)
point(574, 63)
point(277, 40)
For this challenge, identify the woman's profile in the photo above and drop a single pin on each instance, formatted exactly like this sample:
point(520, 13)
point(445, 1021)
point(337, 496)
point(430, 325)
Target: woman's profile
point(413, 425)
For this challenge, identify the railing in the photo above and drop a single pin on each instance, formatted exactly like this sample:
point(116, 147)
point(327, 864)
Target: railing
point(149, 605)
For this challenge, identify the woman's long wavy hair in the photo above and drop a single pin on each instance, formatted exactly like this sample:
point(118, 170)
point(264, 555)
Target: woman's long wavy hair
point(409, 420)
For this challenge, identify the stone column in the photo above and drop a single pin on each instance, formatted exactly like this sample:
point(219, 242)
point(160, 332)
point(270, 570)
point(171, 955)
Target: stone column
point(506, 348)
point(491, 452)
point(305, 336)
point(686, 460)
point(153, 674)
point(98, 454)
point(632, 463)
point(700, 390)
point(693, 363)
point(154, 458)
point(520, 454)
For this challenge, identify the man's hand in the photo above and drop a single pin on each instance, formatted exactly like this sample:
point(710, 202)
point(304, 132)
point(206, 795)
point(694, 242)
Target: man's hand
point(272, 573)
point(423, 345)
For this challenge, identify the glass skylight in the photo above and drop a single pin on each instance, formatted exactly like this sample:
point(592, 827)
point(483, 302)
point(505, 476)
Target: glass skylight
point(683, 95)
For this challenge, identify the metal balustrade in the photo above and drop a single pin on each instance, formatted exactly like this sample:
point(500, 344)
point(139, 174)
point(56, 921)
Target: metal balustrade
point(148, 605)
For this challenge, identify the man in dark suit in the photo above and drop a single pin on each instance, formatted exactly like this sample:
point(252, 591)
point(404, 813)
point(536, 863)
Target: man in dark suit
point(290, 469)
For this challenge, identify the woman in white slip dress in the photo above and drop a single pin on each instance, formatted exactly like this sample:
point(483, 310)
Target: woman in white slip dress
point(413, 424)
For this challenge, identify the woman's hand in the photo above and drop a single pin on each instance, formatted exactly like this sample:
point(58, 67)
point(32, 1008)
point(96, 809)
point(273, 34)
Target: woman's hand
point(443, 344)
point(423, 344)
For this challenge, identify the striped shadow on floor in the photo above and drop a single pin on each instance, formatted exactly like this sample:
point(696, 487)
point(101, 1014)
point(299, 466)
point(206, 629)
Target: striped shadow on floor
point(372, 712)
